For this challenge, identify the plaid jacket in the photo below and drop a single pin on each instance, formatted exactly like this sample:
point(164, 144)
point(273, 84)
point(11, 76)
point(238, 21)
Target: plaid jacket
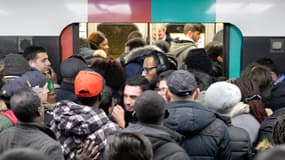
point(73, 124)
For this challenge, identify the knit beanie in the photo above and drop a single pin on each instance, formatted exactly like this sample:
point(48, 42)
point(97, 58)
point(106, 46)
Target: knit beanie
point(15, 65)
point(221, 97)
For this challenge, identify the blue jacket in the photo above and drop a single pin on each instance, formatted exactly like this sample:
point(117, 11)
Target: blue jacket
point(207, 136)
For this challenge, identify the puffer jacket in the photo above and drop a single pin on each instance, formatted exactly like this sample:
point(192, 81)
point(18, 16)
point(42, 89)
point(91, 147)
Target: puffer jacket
point(207, 136)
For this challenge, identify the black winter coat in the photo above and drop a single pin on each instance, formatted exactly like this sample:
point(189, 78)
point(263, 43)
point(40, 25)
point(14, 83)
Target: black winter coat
point(164, 141)
point(207, 136)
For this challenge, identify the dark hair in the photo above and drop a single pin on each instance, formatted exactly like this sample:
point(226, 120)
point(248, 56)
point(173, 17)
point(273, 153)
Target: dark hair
point(164, 75)
point(88, 101)
point(194, 27)
point(135, 43)
point(199, 60)
point(214, 49)
point(111, 70)
point(203, 79)
point(31, 52)
point(278, 132)
point(23, 153)
point(128, 146)
point(150, 107)
point(268, 63)
point(25, 104)
point(163, 45)
point(95, 38)
point(251, 95)
point(138, 80)
point(260, 74)
point(106, 99)
point(275, 153)
point(160, 60)
point(134, 34)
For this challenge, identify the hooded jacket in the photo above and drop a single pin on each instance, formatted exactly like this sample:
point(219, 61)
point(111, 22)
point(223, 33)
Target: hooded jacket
point(164, 141)
point(207, 136)
point(73, 124)
point(180, 49)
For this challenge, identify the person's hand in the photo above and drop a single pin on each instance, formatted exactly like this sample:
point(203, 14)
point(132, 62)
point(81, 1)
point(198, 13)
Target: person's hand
point(88, 152)
point(119, 115)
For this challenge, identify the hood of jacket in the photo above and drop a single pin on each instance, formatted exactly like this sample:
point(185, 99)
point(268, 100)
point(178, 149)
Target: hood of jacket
point(179, 46)
point(138, 54)
point(188, 117)
point(157, 134)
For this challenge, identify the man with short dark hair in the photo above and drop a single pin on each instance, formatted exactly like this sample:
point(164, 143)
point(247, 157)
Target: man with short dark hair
point(37, 58)
point(180, 47)
point(206, 136)
point(28, 132)
point(150, 112)
point(134, 87)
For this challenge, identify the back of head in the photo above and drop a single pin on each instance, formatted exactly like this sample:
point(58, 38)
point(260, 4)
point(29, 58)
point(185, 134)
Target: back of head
point(150, 107)
point(278, 133)
point(71, 66)
point(95, 38)
point(134, 34)
point(194, 27)
point(15, 65)
point(23, 153)
point(198, 59)
point(163, 45)
point(203, 79)
point(88, 84)
point(25, 105)
point(269, 63)
point(275, 153)
point(222, 97)
point(128, 146)
point(135, 43)
point(111, 70)
point(138, 80)
point(260, 74)
point(181, 83)
point(214, 49)
point(30, 53)
point(252, 96)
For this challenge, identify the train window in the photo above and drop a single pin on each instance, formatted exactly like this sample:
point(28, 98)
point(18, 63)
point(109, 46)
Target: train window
point(117, 33)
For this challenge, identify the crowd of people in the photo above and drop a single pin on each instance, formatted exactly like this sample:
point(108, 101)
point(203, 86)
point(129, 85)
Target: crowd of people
point(164, 101)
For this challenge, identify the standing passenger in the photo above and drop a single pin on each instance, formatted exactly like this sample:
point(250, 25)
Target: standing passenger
point(180, 47)
point(28, 131)
point(75, 123)
point(206, 136)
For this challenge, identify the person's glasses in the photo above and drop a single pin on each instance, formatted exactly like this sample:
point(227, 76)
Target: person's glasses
point(147, 69)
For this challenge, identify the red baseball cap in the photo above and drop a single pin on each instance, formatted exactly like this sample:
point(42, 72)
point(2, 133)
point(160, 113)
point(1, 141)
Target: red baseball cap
point(88, 84)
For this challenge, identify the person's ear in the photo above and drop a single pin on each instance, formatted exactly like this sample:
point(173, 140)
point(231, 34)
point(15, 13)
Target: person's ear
point(167, 95)
point(196, 94)
point(166, 114)
point(39, 112)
